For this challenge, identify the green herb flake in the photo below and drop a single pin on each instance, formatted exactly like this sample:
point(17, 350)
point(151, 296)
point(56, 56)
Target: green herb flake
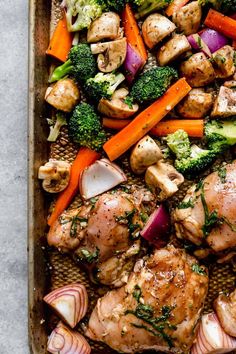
point(198, 269)
point(129, 101)
point(186, 205)
point(89, 257)
point(222, 174)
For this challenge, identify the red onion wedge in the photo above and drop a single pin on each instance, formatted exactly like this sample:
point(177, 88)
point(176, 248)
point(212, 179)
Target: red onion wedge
point(211, 338)
point(65, 341)
point(213, 39)
point(198, 44)
point(157, 227)
point(133, 63)
point(100, 177)
point(69, 302)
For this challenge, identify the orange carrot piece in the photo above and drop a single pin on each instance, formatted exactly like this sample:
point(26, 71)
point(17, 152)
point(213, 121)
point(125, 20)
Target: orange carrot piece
point(194, 128)
point(175, 6)
point(132, 32)
point(116, 124)
point(84, 158)
point(221, 23)
point(146, 120)
point(61, 41)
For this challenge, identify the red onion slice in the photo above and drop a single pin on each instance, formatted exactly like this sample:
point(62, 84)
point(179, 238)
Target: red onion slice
point(65, 341)
point(157, 227)
point(133, 63)
point(69, 302)
point(213, 39)
point(199, 44)
point(211, 338)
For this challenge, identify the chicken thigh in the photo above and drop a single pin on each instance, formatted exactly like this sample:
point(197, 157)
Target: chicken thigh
point(158, 308)
point(209, 212)
point(104, 236)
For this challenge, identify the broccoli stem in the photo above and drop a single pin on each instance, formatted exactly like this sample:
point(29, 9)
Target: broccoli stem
point(55, 130)
point(61, 71)
point(150, 6)
point(119, 80)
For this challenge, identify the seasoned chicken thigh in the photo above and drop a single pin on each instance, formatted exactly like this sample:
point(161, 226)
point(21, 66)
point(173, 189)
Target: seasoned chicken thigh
point(104, 235)
point(211, 215)
point(158, 308)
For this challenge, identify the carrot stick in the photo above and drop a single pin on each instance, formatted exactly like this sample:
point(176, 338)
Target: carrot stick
point(221, 23)
point(61, 41)
point(132, 32)
point(175, 6)
point(194, 128)
point(146, 120)
point(84, 158)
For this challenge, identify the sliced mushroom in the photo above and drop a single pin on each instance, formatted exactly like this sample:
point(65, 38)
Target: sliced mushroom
point(55, 175)
point(164, 177)
point(198, 70)
point(116, 107)
point(196, 104)
point(223, 61)
point(145, 153)
point(188, 18)
point(155, 28)
point(64, 95)
point(230, 84)
point(172, 49)
point(105, 27)
point(111, 54)
point(225, 103)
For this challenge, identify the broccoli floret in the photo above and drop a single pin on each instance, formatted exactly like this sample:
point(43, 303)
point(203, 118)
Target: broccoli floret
point(152, 84)
point(220, 134)
point(198, 160)
point(55, 127)
point(145, 7)
point(81, 64)
point(81, 13)
point(224, 6)
point(179, 144)
point(85, 127)
point(112, 5)
point(103, 85)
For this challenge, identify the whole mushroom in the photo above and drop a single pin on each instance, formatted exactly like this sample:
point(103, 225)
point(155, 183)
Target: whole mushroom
point(145, 153)
point(64, 95)
point(111, 54)
point(106, 26)
point(155, 28)
point(55, 175)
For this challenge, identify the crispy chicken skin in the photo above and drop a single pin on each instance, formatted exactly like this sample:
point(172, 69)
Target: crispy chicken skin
point(100, 234)
point(225, 307)
point(158, 308)
point(220, 197)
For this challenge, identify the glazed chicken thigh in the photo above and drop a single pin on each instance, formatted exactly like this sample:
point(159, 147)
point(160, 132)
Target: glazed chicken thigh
point(157, 309)
point(104, 235)
point(211, 215)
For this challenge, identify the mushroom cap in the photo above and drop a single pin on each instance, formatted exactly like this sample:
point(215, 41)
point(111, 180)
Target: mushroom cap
point(155, 28)
point(145, 153)
point(64, 95)
point(106, 26)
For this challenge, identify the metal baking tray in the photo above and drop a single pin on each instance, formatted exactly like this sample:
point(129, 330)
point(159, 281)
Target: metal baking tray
point(50, 270)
